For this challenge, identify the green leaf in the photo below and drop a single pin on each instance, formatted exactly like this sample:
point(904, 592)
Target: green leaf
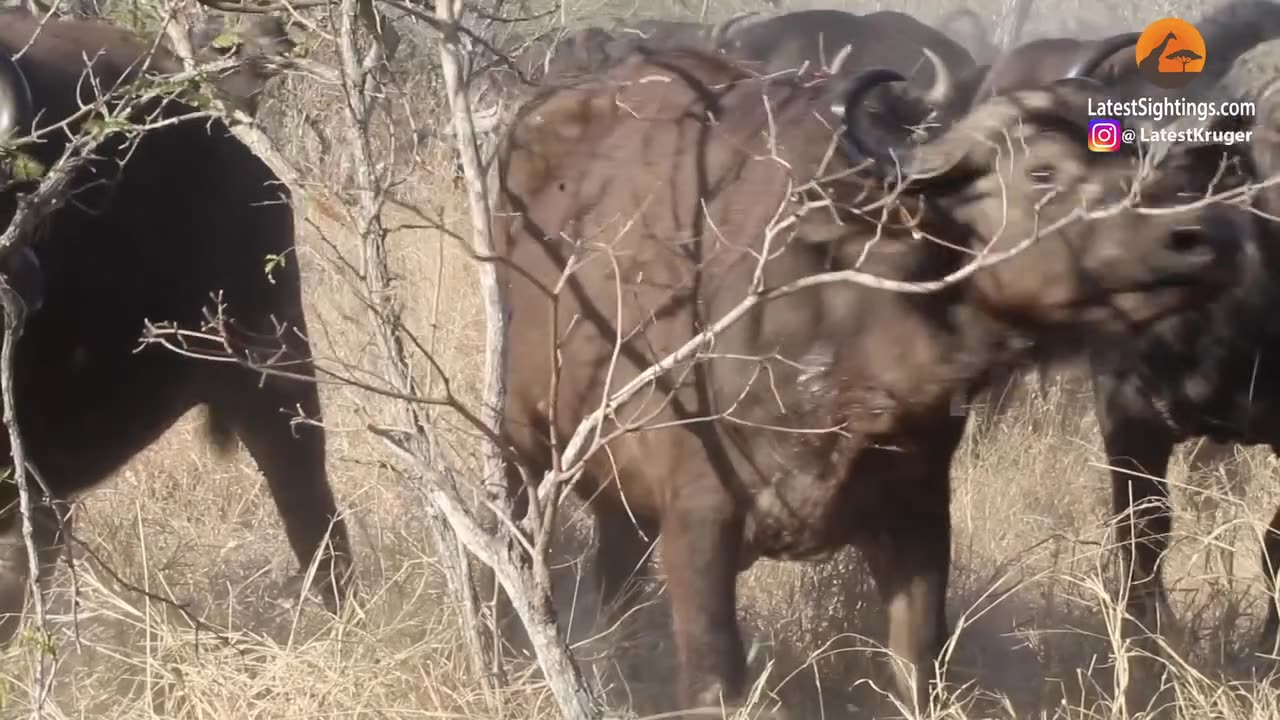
point(40, 639)
point(227, 40)
point(24, 167)
point(273, 261)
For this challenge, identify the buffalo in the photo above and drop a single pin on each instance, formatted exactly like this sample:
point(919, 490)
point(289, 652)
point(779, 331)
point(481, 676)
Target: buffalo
point(1030, 65)
point(1042, 61)
point(633, 215)
point(1204, 374)
point(255, 42)
point(814, 39)
point(154, 227)
point(807, 39)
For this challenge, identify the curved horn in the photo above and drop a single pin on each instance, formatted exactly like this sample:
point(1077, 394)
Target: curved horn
point(944, 85)
point(16, 105)
point(937, 158)
point(1102, 49)
point(722, 28)
point(861, 86)
point(841, 57)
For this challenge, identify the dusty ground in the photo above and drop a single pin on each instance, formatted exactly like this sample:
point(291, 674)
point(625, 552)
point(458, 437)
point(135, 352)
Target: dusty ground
point(1032, 566)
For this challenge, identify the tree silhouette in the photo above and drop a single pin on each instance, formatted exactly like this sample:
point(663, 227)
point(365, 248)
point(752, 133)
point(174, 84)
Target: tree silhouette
point(1184, 56)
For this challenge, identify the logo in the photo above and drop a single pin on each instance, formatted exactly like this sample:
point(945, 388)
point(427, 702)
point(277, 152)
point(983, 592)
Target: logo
point(1104, 135)
point(1170, 53)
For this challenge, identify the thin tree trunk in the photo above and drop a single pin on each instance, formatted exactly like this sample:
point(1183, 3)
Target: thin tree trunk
point(531, 600)
point(370, 198)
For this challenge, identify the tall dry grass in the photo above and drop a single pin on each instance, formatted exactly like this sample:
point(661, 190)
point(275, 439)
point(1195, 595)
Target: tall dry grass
point(180, 610)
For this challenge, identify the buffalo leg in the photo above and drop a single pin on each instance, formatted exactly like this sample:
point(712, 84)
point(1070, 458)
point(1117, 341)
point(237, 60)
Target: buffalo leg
point(1270, 570)
point(293, 463)
point(1138, 451)
point(910, 561)
point(1142, 505)
point(623, 545)
point(701, 536)
point(14, 565)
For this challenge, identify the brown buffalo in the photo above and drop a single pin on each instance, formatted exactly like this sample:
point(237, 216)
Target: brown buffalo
point(153, 229)
point(821, 418)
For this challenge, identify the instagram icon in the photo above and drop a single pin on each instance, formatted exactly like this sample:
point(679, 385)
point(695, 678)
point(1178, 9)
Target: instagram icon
point(1104, 135)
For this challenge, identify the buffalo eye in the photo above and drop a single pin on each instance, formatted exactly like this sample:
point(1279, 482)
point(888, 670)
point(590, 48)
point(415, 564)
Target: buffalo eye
point(1041, 174)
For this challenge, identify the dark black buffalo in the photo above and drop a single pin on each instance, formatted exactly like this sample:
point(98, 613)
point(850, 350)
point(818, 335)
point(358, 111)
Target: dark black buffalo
point(189, 213)
point(1208, 374)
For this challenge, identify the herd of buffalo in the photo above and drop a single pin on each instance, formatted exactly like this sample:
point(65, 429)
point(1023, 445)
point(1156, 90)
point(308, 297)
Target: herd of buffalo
point(656, 177)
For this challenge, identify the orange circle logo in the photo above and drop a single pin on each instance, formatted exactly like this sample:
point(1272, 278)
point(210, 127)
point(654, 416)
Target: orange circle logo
point(1170, 53)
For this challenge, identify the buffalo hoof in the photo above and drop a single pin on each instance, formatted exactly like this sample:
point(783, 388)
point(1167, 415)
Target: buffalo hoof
point(320, 591)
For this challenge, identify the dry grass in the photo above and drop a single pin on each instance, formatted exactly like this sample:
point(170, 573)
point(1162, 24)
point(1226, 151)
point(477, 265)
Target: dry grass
point(1031, 573)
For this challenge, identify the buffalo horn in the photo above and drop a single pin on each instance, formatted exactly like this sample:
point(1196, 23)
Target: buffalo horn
point(944, 86)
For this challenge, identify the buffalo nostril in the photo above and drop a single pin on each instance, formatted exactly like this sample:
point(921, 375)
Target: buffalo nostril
point(1218, 241)
point(1185, 240)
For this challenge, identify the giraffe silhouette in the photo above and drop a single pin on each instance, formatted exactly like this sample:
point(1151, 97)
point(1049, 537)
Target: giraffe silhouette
point(1150, 65)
